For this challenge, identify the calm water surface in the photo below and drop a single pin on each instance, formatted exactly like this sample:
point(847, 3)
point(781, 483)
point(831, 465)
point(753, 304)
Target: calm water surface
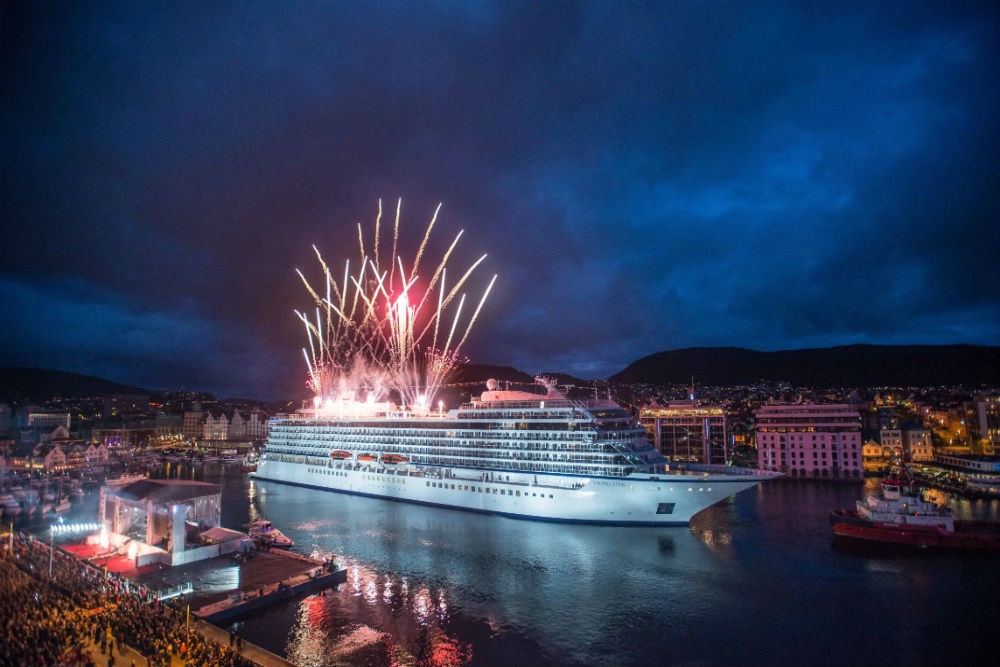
point(755, 580)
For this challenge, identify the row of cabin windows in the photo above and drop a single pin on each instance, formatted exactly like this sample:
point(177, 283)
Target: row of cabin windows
point(480, 489)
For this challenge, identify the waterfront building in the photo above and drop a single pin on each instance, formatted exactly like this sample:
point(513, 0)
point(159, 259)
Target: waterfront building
point(917, 444)
point(193, 426)
point(256, 425)
point(216, 427)
point(167, 425)
point(57, 456)
point(237, 427)
point(874, 457)
point(892, 438)
point(983, 422)
point(58, 433)
point(809, 439)
point(124, 435)
point(685, 431)
point(52, 456)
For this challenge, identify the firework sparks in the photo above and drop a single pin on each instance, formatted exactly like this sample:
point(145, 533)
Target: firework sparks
point(372, 333)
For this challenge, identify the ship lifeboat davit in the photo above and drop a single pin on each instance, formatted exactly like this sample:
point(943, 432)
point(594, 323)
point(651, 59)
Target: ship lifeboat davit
point(366, 457)
point(340, 455)
point(393, 459)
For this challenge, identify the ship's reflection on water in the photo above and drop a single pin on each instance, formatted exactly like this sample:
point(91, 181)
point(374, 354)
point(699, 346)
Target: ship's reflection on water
point(442, 587)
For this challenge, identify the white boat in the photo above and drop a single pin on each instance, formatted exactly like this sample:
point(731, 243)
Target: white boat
point(263, 531)
point(513, 453)
point(900, 502)
point(987, 485)
point(56, 508)
point(127, 478)
point(10, 505)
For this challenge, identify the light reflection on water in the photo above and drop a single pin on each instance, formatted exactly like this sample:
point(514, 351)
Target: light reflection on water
point(755, 580)
point(514, 578)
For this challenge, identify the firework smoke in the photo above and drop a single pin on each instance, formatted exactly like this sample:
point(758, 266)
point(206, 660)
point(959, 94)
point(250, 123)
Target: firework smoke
point(376, 329)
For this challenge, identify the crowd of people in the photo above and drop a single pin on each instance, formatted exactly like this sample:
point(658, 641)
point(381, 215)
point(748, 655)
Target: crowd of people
point(55, 609)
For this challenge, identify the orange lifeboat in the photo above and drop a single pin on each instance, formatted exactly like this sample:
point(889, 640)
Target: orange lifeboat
point(366, 457)
point(392, 459)
point(340, 455)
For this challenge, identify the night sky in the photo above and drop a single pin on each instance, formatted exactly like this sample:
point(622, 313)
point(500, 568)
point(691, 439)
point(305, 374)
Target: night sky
point(644, 176)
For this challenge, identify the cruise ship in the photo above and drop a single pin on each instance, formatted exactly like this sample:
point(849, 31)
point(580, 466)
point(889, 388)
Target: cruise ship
point(512, 453)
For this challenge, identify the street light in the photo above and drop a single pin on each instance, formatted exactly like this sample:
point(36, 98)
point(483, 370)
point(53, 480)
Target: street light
point(52, 538)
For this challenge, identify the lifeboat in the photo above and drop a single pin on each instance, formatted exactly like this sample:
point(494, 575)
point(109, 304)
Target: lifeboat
point(366, 457)
point(392, 459)
point(340, 455)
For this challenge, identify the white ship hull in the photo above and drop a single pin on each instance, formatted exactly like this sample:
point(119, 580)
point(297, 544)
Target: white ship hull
point(639, 499)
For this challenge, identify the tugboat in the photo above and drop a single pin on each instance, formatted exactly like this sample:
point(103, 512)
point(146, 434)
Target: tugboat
point(263, 532)
point(899, 515)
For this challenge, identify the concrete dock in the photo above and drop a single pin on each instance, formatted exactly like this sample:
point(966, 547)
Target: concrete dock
point(241, 602)
point(224, 588)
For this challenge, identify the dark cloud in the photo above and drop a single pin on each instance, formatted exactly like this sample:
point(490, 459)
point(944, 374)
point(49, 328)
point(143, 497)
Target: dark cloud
point(644, 176)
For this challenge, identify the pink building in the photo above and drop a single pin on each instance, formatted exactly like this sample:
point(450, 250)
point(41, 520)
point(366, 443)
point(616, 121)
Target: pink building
point(809, 440)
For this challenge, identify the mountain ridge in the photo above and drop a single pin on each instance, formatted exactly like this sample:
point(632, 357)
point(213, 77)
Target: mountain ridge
point(858, 365)
point(23, 383)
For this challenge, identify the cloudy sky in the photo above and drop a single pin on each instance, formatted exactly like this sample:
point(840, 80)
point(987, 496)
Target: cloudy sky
point(644, 176)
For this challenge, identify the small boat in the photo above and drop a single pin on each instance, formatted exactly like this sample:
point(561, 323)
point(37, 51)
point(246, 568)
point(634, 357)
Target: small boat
point(366, 457)
point(263, 532)
point(11, 506)
point(394, 459)
point(988, 485)
point(57, 508)
point(899, 515)
point(127, 478)
point(340, 455)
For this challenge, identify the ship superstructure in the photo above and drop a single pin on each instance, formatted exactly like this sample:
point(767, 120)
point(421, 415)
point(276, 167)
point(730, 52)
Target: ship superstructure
point(514, 453)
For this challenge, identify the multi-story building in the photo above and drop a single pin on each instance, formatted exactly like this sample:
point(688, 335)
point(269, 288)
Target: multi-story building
point(917, 444)
point(875, 458)
point(116, 435)
point(687, 432)
point(809, 439)
point(892, 438)
point(193, 427)
point(256, 425)
point(983, 423)
point(237, 427)
point(216, 427)
point(44, 419)
point(166, 425)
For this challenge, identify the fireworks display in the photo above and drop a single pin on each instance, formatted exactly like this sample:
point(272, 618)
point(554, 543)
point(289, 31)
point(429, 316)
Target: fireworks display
point(382, 327)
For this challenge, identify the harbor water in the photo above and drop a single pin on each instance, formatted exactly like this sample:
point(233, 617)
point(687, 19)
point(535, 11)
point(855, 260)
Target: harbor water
point(755, 580)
